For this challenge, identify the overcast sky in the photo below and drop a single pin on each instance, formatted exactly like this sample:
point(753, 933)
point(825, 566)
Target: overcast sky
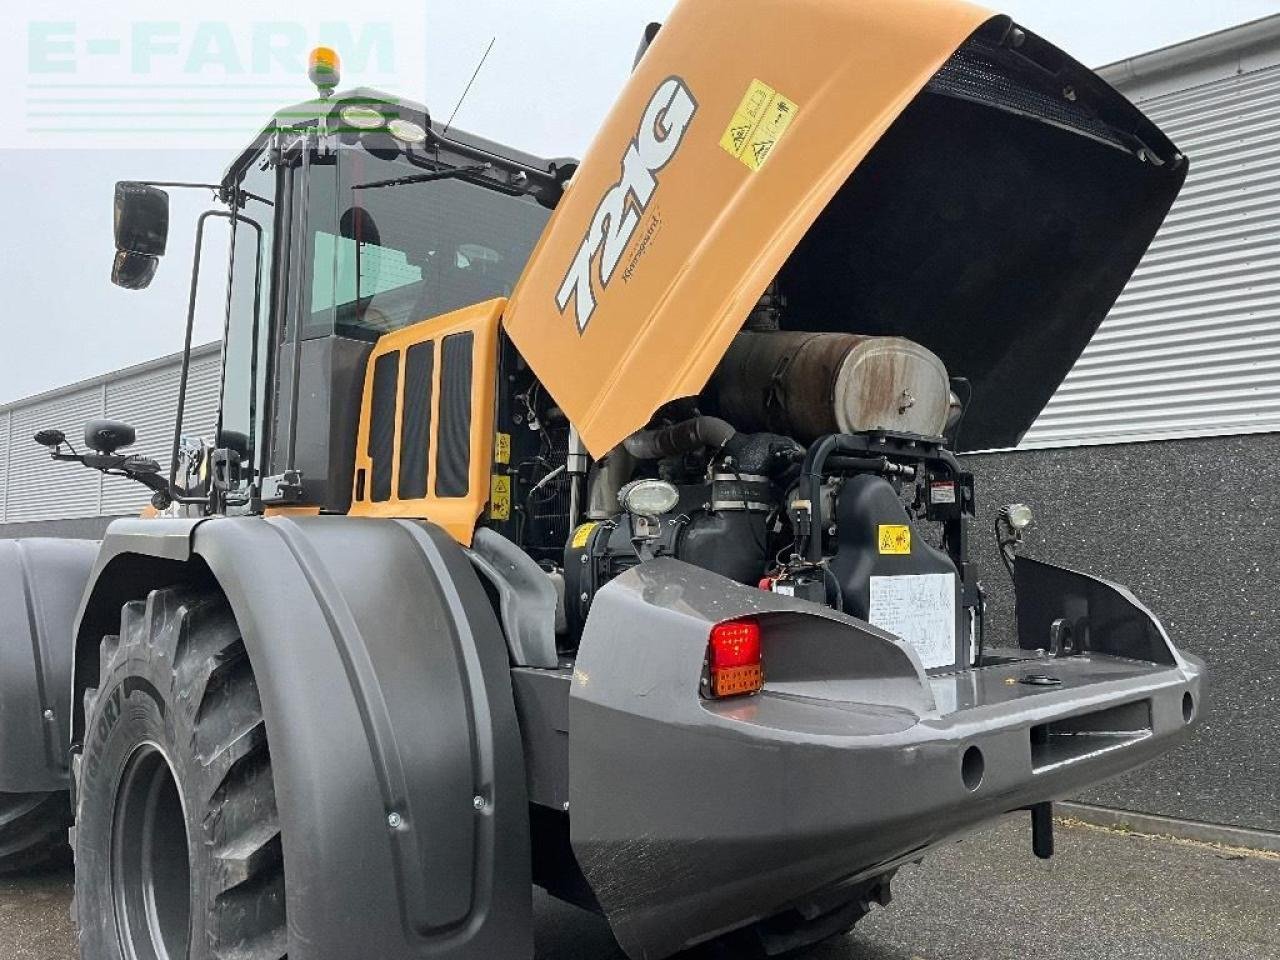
point(555, 68)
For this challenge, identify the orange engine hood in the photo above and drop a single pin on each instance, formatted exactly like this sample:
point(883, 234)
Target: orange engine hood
point(714, 230)
point(739, 125)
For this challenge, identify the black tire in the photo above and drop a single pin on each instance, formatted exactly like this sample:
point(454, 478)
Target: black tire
point(33, 830)
point(177, 840)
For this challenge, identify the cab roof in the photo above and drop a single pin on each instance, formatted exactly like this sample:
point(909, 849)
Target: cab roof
point(309, 113)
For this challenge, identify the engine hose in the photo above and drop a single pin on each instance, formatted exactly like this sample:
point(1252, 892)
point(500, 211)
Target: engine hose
point(881, 465)
point(680, 438)
point(854, 447)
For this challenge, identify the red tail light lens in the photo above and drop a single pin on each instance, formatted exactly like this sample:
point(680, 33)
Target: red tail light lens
point(734, 658)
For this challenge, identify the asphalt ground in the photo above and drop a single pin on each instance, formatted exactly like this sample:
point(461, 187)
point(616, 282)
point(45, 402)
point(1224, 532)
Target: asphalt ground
point(1106, 895)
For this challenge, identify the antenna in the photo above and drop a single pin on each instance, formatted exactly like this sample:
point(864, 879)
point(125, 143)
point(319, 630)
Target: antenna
point(468, 87)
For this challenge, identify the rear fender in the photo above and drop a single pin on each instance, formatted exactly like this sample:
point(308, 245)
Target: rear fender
point(135, 557)
point(396, 754)
point(41, 583)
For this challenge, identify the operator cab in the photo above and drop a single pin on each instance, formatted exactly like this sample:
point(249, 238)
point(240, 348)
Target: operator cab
point(380, 219)
point(351, 216)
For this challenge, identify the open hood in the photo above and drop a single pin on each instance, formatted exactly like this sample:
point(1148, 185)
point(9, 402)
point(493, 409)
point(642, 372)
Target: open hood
point(915, 168)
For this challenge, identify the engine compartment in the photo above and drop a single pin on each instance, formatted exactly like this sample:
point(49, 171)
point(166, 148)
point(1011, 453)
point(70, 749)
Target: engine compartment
point(975, 249)
point(815, 465)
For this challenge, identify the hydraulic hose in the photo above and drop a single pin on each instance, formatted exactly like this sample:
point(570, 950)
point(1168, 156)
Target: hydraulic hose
point(680, 438)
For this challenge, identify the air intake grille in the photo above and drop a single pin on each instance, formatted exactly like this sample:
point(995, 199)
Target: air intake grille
point(453, 462)
point(382, 422)
point(415, 434)
point(974, 73)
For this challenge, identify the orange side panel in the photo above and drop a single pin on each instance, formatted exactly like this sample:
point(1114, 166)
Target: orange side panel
point(737, 127)
point(288, 511)
point(457, 515)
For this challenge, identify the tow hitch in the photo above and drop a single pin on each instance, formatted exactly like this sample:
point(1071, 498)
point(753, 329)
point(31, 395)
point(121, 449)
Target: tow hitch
point(1042, 830)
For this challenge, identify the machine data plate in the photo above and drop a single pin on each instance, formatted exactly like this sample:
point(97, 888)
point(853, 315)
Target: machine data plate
point(921, 609)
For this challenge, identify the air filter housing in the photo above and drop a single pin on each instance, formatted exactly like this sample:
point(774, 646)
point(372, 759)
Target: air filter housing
point(806, 385)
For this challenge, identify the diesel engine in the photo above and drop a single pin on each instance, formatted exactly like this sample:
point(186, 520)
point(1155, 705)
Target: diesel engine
point(814, 465)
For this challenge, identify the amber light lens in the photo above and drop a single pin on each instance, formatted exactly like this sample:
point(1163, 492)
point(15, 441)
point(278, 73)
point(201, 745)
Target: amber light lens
point(324, 68)
point(734, 658)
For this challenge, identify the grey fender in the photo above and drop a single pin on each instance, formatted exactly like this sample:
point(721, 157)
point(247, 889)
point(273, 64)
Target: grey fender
point(387, 696)
point(651, 762)
point(41, 583)
point(526, 598)
point(1055, 603)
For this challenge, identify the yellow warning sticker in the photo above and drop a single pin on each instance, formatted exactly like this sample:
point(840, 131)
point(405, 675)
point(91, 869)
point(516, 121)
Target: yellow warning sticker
point(502, 448)
point(895, 538)
point(761, 120)
point(500, 497)
point(583, 534)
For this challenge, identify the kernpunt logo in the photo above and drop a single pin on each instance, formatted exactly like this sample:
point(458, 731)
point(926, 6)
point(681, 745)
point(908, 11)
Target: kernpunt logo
point(198, 76)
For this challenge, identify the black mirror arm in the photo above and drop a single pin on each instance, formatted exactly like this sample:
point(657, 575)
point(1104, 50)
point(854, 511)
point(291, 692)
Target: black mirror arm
point(164, 494)
point(148, 478)
point(180, 184)
point(152, 481)
point(117, 465)
point(186, 348)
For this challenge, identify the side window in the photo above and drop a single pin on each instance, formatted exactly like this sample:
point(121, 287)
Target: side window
point(347, 271)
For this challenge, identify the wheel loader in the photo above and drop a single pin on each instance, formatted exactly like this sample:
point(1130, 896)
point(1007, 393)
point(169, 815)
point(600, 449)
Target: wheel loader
point(598, 525)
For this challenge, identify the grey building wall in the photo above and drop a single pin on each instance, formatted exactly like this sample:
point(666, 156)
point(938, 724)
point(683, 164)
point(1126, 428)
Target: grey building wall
point(1157, 463)
point(1192, 346)
point(35, 489)
point(1192, 527)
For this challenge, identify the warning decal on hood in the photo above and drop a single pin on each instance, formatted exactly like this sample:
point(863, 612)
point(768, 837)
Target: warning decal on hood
point(758, 124)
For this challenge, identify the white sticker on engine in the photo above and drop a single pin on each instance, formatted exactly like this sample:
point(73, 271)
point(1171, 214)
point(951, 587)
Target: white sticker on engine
point(921, 609)
point(942, 493)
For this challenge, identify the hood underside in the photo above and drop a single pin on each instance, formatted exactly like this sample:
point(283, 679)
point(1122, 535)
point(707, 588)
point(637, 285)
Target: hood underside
point(936, 174)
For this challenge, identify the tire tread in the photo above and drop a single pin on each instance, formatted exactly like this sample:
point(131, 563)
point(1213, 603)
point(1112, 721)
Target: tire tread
point(194, 630)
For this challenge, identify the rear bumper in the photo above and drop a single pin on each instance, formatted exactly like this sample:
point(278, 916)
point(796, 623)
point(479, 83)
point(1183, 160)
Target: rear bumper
point(880, 785)
point(691, 818)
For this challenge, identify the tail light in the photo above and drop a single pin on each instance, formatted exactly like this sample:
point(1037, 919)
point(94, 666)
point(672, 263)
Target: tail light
point(734, 667)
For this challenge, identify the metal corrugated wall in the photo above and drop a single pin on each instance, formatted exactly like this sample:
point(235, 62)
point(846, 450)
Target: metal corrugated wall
point(40, 489)
point(148, 402)
point(33, 487)
point(1192, 347)
point(4, 459)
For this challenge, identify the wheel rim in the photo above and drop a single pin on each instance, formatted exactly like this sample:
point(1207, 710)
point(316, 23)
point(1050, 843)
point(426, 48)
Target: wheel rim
point(150, 860)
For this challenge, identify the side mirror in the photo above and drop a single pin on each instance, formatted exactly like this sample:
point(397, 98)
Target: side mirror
point(108, 436)
point(50, 438)
point(142, 233)
point(133, 271)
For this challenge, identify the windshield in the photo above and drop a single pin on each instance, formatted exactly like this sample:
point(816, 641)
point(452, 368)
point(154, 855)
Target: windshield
point(390, 255)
